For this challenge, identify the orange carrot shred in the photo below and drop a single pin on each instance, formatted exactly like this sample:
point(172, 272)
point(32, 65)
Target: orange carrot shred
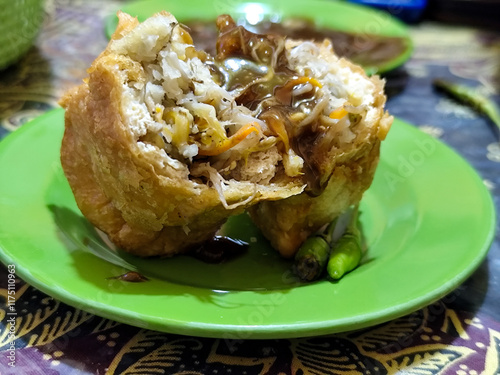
point(278, 127)
point(232, 141)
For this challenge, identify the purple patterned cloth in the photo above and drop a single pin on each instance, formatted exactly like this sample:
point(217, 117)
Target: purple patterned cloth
point(460, 334)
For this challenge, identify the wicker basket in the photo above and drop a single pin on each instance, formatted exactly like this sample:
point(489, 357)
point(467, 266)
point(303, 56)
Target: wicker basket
point(20, 21)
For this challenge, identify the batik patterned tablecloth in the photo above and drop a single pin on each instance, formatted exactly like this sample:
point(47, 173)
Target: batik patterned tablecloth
point(460, 334)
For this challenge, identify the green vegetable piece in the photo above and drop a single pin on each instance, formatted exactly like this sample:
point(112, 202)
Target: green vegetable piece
point(346, 253)
point(472, 98)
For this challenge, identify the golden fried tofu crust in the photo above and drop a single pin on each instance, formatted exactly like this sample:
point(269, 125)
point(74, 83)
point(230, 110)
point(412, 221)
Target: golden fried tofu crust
point(159, 150)
point(145, 202)
point(347, 170)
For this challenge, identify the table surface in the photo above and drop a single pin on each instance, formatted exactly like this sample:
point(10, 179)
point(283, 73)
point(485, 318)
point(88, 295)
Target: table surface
point(459, 334)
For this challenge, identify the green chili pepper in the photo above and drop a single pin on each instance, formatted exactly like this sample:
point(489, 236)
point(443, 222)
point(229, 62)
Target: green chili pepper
point(311, 259)
point(346, 253)
point(472, 98)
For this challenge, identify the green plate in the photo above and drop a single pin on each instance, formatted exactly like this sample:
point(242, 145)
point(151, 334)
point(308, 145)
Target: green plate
point(428, 221)
point(328, 14)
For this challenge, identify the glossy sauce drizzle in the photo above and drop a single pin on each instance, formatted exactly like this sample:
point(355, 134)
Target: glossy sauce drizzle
point(256, 65)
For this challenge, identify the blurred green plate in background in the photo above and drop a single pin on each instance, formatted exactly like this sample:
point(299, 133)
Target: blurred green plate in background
point(428, 221)
point(335, 15)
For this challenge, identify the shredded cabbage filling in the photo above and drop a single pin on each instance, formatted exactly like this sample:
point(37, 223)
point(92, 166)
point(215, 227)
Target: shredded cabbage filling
point(214, 114)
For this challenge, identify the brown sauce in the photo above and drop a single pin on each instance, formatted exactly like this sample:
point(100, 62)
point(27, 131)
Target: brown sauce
point(219, 249)
point(305, 147)
point(257, 65)
point(131, 277)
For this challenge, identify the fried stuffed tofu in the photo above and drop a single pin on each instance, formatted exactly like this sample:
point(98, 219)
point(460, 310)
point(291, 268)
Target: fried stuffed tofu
point(163, 142)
